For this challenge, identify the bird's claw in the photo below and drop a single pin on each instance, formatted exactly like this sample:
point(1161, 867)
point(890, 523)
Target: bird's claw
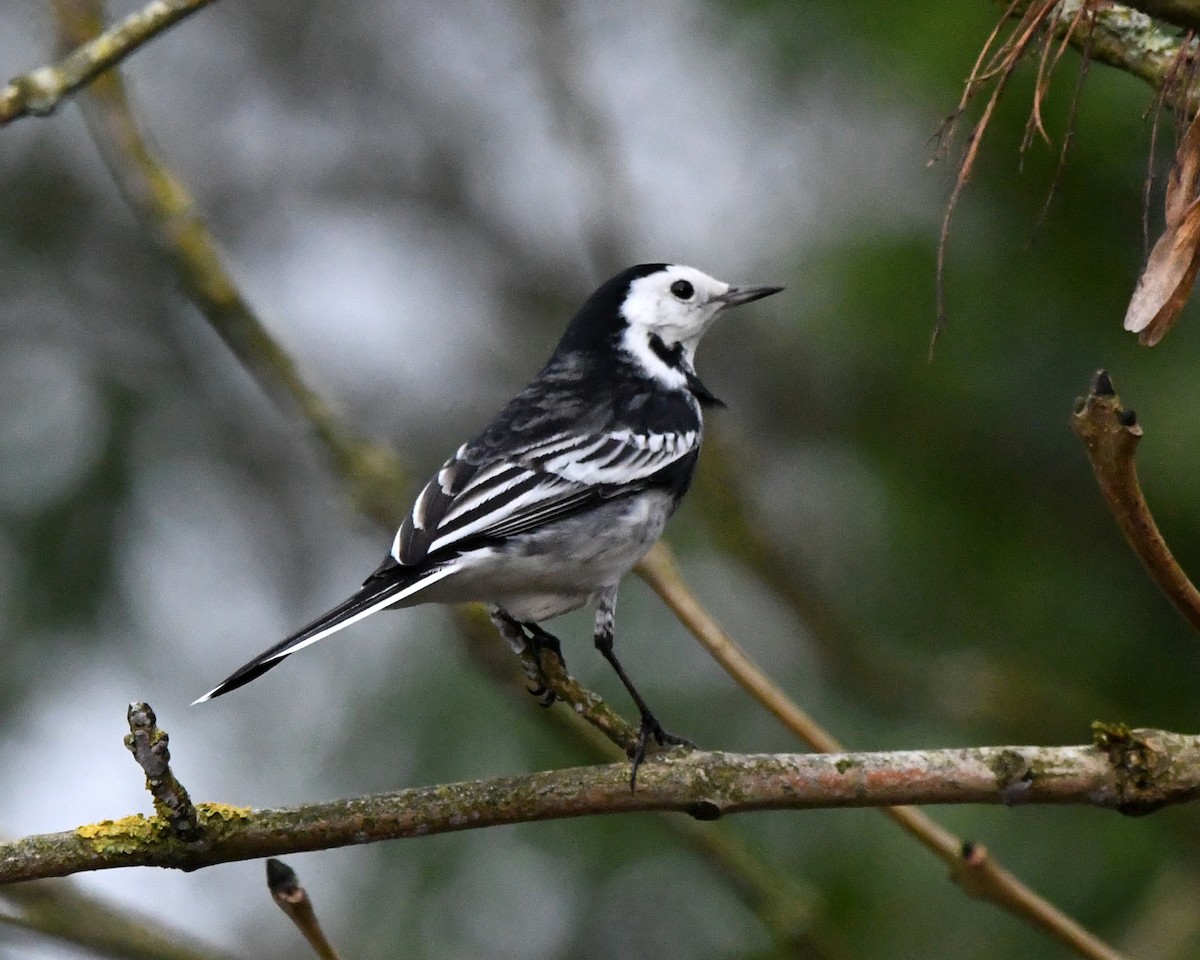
point(539, 641)
point(542, 693)
point(650, 727)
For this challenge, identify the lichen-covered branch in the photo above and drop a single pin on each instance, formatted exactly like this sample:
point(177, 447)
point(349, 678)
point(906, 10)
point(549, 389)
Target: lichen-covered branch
point(1111, 433)
point(149, 746)
point(1127, 36)
point(1182, 13)
point(38, 92)
point(1133, 771)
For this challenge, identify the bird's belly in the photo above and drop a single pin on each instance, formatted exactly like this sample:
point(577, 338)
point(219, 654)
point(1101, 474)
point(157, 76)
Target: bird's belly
point(561, 566)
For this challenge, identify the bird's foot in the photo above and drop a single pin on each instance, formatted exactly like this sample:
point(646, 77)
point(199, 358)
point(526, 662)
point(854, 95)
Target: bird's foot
point(528, 640)
point(541, 640)
point(651, 728)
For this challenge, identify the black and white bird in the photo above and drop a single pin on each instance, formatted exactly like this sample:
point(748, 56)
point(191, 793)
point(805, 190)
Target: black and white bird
point(568, 487)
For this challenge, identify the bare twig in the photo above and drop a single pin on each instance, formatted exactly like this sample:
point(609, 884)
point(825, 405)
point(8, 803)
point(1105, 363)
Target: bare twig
point(1133, 771)
point(1001, 67)
point(978, 873)
point(148, 744)
point(38, 92)
point(293, 900)
point(585, 704)
point(1111, 434)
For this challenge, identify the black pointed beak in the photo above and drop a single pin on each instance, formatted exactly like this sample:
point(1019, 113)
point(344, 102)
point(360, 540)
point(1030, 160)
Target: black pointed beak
point(735, 296)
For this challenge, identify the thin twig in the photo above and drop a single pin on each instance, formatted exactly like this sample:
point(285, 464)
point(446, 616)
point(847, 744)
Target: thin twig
point(1111, 434)
point(38, 92)
point(1085, 62)
point(294, 901)
point(978, 873)
point(148, 744)
point(1004, 62)
point(606, 725)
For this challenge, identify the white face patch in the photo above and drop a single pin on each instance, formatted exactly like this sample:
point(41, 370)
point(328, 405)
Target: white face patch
point(676, 303)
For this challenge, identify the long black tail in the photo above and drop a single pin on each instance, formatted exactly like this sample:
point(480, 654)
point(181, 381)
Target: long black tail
point(381, 590)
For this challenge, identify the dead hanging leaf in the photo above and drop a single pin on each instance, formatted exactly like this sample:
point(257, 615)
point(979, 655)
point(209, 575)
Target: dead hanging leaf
point(1170, 272)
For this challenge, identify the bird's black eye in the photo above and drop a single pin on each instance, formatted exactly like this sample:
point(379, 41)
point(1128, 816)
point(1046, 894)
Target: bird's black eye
point(682, 289)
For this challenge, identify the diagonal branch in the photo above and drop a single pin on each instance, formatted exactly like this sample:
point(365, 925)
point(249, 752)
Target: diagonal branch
point(780, 902)
point(1111, 434)
point(1132, 771)
point(980, 875)
point(61, 911)
point(373, 473)
point(38, 92)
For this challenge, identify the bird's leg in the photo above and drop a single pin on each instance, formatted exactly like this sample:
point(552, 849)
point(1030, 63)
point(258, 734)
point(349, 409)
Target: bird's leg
point(534, 642)
point(650, 727)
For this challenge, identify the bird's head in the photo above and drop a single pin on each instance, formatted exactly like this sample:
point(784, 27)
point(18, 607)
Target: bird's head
point(668, 308)
point(655, 314)
point(678, 304)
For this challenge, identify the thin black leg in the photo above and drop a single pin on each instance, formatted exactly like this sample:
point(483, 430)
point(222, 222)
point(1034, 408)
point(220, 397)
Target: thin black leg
point(650, 727)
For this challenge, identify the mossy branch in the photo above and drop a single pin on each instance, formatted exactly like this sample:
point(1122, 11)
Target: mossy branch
point(1132, 771)
point(1140, 38)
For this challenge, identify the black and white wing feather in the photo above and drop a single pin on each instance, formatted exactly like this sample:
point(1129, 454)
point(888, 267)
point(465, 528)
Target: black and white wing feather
point(477, 500)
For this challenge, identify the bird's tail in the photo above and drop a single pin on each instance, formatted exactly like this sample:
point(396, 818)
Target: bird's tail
point(381, 590)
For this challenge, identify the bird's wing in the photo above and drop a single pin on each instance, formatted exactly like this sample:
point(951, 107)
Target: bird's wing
point(533, 485)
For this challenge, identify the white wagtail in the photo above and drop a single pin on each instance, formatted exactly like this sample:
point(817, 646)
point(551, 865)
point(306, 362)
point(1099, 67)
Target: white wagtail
point(568, 487)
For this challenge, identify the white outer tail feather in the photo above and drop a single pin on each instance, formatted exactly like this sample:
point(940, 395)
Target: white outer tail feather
point(386, 601)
